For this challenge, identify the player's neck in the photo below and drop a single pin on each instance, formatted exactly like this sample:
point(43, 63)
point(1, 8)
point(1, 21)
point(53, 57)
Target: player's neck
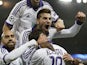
point(9, 49)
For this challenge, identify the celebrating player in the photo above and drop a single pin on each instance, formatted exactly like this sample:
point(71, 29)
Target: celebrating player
point(8, 53)
point(23, 16)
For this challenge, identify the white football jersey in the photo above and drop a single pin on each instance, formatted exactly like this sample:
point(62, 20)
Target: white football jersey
point(23, 16)
point(4, 52)
point(45, 56)
point(27, 55)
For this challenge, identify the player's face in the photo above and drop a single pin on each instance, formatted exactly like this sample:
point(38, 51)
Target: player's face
point(35, 2)
point(45, 20)
point(8, 39)
point(42, 38)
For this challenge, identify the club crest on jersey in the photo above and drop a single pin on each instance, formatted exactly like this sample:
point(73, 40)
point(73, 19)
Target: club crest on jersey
point(11, 18)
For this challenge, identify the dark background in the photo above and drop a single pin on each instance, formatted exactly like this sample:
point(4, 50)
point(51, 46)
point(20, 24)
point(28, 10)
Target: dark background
point(67, 12)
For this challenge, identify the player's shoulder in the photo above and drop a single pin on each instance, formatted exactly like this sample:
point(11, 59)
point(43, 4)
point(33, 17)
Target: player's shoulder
point(56, 46)
point(21, 3)
point(59, 47)
point(3, 51)
point(45, 2)
point(40, 53)
point(41, 50)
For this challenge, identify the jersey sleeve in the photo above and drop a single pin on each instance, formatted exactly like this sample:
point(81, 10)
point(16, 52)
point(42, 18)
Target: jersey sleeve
point(3, 53)
point(24, 36)
point(65, 33)
point(15, 14)
point(70, 32)
point(18, 61)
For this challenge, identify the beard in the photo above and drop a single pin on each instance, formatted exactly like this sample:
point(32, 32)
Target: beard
point(11, 44)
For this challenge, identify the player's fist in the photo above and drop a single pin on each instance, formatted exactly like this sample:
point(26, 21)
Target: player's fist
point(59, 24)
point(67, 57)
point(81, 16)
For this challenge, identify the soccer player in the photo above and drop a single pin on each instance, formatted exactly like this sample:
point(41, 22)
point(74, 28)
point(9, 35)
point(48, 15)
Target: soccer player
point(45, 56)
point(8, 53)
point(44, 18)
point(23, 16)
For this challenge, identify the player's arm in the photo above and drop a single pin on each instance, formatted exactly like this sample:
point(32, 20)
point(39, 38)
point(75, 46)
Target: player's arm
point(59, 25)
point(2, 53)
point(69, 60)
point(18, 51)
point(12, 18)
point(72, 31)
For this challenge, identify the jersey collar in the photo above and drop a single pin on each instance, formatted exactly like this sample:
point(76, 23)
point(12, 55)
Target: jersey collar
point(6, 49)
point(30, 5)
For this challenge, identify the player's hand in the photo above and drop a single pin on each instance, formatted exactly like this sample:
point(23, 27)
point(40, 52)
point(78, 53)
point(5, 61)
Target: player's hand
point(59, 24)
point(81, 16)
point(67, 57)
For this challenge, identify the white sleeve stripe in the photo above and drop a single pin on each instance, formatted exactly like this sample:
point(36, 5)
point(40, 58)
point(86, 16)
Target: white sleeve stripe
point(18, 8)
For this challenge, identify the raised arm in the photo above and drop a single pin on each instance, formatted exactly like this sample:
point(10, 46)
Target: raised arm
point(72, 31)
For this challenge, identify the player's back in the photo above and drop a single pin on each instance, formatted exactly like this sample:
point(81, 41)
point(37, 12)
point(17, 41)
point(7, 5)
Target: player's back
point(45, 56)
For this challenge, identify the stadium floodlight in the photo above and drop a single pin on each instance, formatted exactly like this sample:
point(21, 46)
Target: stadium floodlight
point(84, 1)
point(66, 0)
point(78, 1)
point(1, 2)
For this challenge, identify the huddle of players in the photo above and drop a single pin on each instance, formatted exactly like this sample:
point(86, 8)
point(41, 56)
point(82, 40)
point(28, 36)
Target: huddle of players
point(36, 47)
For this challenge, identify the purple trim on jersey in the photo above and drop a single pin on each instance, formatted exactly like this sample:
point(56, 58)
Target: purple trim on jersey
point(55, 20)
point(6, 49)
point(4, 59)
point(8, 24)
point(50, 41)
point(30, 5)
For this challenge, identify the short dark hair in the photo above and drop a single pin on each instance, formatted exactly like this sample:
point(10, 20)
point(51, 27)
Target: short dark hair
point(45, 10)
point(37, 30)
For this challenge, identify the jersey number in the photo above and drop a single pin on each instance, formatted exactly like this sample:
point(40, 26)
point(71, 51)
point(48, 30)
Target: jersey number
point(55, 60)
